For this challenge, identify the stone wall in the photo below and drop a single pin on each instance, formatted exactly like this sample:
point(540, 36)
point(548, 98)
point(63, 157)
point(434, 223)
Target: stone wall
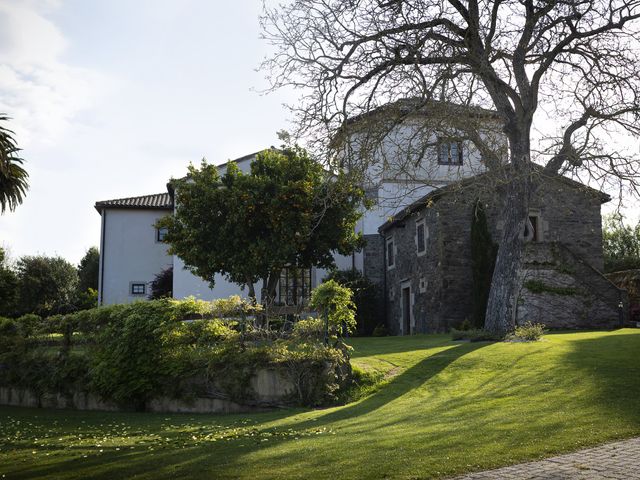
point(561, 290)
point(373, 259)
point(441, 280)
point(422, 274)
point(270, 387)
point(373, 270)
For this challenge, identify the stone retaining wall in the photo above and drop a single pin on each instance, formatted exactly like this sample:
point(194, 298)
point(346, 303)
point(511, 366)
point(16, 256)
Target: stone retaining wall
point(270, 387)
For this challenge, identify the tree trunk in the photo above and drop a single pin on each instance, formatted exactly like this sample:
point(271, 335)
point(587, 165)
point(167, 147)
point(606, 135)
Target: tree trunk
point(252, 292)
point(268, 294)
point(500, 315)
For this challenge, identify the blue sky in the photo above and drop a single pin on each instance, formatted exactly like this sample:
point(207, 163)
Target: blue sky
point(111, 98)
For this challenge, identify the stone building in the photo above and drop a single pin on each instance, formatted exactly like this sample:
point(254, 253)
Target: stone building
point(428, 276)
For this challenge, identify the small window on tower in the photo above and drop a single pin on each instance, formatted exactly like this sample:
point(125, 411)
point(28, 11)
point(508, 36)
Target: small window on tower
point(449, 151)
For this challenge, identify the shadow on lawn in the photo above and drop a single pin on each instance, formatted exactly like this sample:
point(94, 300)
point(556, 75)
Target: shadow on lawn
point(611, 362)
point(408, 380)
point(376, 346)
point(176, 463)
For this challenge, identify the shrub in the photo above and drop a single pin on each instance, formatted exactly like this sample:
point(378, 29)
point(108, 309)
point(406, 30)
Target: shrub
point(332, 299)
point(129, 363)
point(29, 324)
point(143, 350)
point(162, 284)
point(528, 332)
point(466, 325)
point(308, 329)
point(366, 297)
point(317, 372)
point(203, 332)
point(380, 331)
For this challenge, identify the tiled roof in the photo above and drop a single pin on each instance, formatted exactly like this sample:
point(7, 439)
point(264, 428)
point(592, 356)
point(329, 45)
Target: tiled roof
point(161, 201)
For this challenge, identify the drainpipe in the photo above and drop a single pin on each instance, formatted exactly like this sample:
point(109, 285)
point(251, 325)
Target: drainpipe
point(101, 278)
point(384, 280)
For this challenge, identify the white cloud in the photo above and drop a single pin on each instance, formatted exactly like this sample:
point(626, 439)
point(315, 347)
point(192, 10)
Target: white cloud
point(38, 89)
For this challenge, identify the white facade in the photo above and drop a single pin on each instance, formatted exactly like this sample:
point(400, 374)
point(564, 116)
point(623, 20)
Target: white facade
point(130, 253)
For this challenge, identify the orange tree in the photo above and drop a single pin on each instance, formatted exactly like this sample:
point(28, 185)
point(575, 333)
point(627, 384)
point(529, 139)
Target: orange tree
point(286, 211)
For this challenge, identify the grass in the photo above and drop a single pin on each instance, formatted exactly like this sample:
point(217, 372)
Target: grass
point(443, 409)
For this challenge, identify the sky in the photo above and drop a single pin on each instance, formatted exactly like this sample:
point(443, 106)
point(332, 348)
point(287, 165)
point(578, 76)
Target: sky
point(111, 99)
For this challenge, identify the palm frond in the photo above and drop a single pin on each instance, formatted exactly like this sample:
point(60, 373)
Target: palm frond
point(13, 177)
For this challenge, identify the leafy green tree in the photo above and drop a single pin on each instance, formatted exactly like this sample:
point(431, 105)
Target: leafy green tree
point(287, 211)
point(88, 270)
point(8, 287)
point(47, 285)
point(621, 244)
point(13, 178)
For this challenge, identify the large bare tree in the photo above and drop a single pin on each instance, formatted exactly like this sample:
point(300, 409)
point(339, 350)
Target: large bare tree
point(573, 63)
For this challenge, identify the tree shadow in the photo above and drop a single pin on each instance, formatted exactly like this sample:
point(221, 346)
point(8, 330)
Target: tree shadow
point(378, 346)
point(399, 385)
point(611, 363)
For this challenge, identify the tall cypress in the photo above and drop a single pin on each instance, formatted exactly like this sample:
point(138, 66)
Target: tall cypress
point(483, 260)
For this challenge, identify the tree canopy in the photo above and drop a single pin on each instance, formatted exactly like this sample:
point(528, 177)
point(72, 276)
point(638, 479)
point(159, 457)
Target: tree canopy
point(88, 269)
point(621, 244)
point(13, 177)
point(287, 211)
point(571, 65)
point(8, 287)
point(47, 285)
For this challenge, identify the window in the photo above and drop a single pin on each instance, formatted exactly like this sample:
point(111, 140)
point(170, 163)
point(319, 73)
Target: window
point(138, 288)
point(449, 152)
point(391, 257)
point(421, 237)
point(422, 285)
point(294, 287)
point(532, 229)
point(372, 193)
point(161, 233)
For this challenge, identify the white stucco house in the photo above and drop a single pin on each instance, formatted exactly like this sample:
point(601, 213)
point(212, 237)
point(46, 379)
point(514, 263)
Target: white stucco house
point(132, 252)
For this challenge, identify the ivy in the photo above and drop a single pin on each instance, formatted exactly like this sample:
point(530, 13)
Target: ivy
point(537, 286)
point(483, 259)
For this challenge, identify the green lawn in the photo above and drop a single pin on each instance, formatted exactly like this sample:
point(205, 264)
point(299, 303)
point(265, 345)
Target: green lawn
point(446, 408)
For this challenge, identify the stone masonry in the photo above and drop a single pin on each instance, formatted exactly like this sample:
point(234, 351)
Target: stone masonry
point(440, 281)
point(561, 290)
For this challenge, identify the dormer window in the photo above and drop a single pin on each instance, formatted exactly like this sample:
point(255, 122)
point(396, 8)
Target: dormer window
point(449, 151)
